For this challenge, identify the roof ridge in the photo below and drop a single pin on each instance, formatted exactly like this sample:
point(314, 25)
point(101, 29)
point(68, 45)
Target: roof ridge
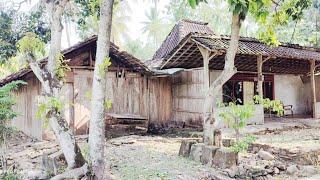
point(194, 22)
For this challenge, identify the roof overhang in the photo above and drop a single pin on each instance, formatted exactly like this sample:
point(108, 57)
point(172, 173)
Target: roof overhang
point(283, 59)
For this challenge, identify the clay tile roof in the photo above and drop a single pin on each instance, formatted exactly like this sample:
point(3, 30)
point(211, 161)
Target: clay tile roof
point(126, 59)
point(180, 30)
point(252, 46)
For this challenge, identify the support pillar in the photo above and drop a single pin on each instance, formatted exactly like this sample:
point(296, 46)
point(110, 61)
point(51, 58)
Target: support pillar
point(208, 129)
point(260, 76)
point(206, 74)
point(313, 88)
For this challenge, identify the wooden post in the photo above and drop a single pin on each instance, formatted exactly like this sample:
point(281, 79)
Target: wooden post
point(208, 129)
point(313, 88)
point(206, 73)
point(260, 76)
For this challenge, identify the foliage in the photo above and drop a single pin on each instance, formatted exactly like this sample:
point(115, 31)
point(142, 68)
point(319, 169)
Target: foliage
point(243, 144)
point(62, 67)
point(13, 65)
point(15, 24)
point(7, 102)
point(9, 175)
point(88, 14)
point(108, 104)
point(237, 115)
point(7, 40)
point(104, 66)
point(31, 45)
point(268, 13)
point(51, 104)
point(270, 105)
point(154, 27)
point(85, 150)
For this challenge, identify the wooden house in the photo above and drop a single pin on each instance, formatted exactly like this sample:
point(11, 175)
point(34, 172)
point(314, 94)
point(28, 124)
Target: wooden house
point(169, 89)
point(287, 72)
point(129, 86)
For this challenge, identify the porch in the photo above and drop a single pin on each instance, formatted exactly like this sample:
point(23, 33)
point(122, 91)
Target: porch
point(286, 73)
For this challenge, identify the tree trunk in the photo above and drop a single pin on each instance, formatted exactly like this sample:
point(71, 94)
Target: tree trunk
point(52, 86)
point(97, 121)
point(260, 76)
point(216, 85)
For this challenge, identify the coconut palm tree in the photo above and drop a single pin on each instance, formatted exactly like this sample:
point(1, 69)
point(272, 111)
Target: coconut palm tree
point(119, 29)
point(155, 26)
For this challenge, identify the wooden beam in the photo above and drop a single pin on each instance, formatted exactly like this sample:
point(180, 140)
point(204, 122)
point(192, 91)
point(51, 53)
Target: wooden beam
point(206, 73)
point(186, 50)
point(313, 88)
point(180, 47)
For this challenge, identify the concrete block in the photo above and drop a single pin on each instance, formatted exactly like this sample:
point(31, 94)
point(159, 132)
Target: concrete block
point(186, 147)
point(196, 151)
point(224, 158)
point(208, 153)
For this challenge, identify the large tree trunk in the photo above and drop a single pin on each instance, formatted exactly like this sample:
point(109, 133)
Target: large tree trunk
point(51, 88)
point(97, 121)
point(216, 85)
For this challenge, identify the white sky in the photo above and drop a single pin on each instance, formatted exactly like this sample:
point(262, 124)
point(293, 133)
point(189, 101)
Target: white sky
point(139, 7)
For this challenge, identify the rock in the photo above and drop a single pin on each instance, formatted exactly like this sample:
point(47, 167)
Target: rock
point(276, 170)
point(292, 169)
point(232, 172)
point(307, 171)
point(186, 147)
point(269, 171)
point(265, 155)
point(281, 167)
point(269, 177)
point(227, 142)
point(224, 158)
point(241, 171)
point(255, 149)
point(196, 151)
point(208, 153)
point(37, 174)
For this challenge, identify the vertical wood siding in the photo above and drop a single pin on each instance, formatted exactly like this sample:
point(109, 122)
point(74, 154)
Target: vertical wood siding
point(188, 95)
point(27, 106)
point(132, 94)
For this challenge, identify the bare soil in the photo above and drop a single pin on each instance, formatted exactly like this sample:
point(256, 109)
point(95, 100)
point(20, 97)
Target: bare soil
point(156, 157)
point(153, 157)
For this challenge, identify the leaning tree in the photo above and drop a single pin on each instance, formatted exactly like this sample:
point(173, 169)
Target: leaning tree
point(51, 78)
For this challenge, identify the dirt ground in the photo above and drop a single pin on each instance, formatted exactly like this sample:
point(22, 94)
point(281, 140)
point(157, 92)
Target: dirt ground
point(156, 157)
point(153, 157)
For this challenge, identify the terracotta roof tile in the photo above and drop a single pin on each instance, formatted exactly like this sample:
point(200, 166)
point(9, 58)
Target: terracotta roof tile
point(182, 29)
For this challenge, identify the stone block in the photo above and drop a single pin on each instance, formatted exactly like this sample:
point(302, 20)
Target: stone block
point(208, 153)
point(265, 155)
point(224, 158)
point(227, 142)
point(196, 151)
point(186, 147)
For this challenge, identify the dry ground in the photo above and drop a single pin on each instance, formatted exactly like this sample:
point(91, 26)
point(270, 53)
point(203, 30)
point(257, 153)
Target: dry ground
point(153, 157)
point(156, 157)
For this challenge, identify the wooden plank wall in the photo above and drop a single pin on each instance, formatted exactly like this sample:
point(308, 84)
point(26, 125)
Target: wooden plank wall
point(132, 94)
point(188, 95)
point(27, 106)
